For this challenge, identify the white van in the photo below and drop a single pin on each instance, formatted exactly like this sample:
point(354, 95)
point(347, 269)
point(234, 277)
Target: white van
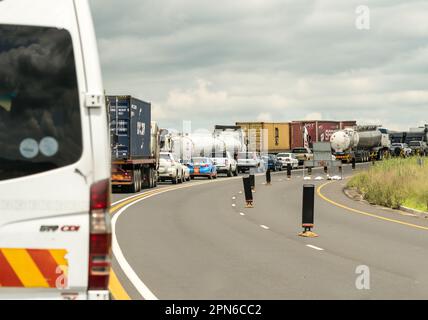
point(55, 234)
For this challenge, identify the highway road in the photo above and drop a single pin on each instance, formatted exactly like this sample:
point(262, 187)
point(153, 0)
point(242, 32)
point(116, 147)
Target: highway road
point(198, 241)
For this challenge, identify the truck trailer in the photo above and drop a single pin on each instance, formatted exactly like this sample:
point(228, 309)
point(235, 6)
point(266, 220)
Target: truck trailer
point(363, 144)
point(134, 144)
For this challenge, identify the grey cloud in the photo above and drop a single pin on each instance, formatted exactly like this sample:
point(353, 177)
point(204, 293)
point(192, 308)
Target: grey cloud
point(306, 53)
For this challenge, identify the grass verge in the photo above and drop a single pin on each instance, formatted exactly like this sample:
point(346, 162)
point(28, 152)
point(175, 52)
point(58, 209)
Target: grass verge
point(395, 182)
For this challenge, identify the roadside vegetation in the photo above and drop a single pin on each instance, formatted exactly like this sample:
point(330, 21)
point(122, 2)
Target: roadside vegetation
point(395, 182)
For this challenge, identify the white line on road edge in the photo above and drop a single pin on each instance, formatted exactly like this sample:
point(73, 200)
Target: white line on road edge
point(314, 247)
point(264, 227)
point(126, 268)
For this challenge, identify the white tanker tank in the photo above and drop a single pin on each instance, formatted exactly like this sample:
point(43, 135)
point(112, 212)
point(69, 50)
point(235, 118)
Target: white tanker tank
point(363, 144)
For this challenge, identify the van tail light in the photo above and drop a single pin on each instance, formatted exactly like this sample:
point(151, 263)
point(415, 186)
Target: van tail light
point(100, 236)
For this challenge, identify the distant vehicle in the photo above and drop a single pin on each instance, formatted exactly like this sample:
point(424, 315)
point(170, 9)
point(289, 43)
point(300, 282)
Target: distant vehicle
point(400, 150)
point(55, 229)
point(186, 172)
point(170, 169)
point(134, 143)
point(202, 167)
point(248, 160)
point(225, 163)
point(419, 148)
point(302, 154)
point(365, 143)
point(288, 158)
point(273, 163)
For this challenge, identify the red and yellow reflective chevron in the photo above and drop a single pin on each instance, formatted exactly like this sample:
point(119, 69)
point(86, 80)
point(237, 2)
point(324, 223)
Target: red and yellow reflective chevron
point(33, 268)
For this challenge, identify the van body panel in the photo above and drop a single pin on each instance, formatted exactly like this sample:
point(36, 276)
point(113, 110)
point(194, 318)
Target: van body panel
point(49, 210)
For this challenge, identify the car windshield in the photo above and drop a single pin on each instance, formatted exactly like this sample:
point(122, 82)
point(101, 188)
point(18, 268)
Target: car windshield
point(285, 155)
point(198, 161)
point(40, 122)
point(300, 150)
point(245, 155)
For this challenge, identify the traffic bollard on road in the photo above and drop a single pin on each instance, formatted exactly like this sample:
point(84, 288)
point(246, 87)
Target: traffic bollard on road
point(289, 171)
point(308, 211)
point(353, 163)
point(253, 182)
point(248, 192)
point(268, 178)
point(341, 172)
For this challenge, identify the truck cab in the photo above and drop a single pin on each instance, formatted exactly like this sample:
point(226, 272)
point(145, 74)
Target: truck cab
point(55, 234)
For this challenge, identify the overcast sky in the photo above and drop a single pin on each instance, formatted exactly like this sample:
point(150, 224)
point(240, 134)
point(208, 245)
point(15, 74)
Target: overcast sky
point(218, 62)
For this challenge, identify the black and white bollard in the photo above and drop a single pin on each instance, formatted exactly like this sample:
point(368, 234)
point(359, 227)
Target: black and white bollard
point(353, 163)
point(253, 182)
point(248, 192)
point(268, 178)
point(308, 211)
point(289, 171)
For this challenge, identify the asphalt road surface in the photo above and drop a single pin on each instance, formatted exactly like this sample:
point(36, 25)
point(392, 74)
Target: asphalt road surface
point(200, 242)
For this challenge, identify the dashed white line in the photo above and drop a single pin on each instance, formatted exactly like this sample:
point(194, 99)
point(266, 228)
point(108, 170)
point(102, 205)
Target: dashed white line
point(233, 198)
point(314, 247)
point(264, 227)
point(242, 214)
point(233, 205)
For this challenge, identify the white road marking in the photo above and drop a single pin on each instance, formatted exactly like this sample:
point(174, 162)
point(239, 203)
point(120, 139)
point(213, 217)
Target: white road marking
point(233, 205)
point(264, 227)
point(242, 214)
point(233, 198)
point(145, 292)
point(314, 247)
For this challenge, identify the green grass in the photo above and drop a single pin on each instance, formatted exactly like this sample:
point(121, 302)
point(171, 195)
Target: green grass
point(395, 182)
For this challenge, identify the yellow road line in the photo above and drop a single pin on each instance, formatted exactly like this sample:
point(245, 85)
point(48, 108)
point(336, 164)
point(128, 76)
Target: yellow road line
point(363, 212)
point(116, 288)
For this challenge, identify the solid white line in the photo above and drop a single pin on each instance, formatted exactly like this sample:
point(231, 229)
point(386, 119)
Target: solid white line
point(264, 227)
point(314, 247)
point(125, 266)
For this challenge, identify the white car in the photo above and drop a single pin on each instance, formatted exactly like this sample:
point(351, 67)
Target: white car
point(186, 171)
point(225, 163)
point(288, 158)
point(55, 230)
point(170, 169)
point(248, 161)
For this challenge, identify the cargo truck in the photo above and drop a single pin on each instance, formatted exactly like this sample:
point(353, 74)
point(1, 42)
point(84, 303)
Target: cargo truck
point(364, 143)
point(134, 144)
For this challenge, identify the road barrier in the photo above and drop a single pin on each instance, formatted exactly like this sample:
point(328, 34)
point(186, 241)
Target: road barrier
point(268, 177)
point(248, 192)
point(289, 171)
point(308, 211)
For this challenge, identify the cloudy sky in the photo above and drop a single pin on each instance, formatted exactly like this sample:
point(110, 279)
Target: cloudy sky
point(218, 62)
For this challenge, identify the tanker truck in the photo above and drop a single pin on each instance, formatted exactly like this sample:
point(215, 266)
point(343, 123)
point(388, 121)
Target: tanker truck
point(362, 143)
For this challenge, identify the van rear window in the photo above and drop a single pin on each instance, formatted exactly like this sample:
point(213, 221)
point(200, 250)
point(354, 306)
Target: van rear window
point(40, 124)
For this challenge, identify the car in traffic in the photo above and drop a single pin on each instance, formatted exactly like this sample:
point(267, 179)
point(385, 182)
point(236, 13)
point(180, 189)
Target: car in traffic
point(419, 148)
point(400, 150)
point(248, 160)
point(288, 158)
point(202, 167)
point(225, 163)
point(302, 154)
point(170, 169)
point(272, 162)
point(55, 227)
